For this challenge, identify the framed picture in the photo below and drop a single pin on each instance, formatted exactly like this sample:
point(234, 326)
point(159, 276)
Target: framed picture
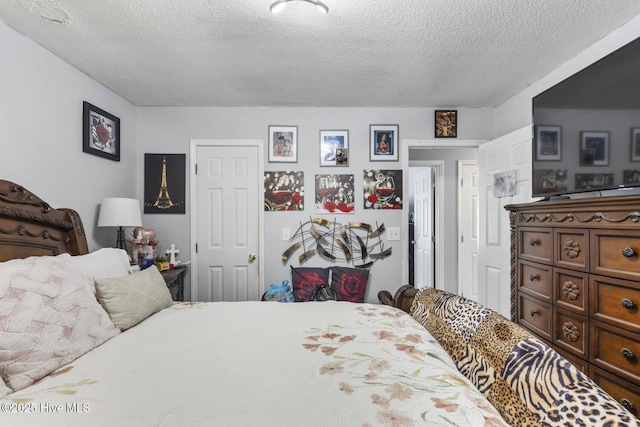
point(383, 143)
point(446, 124)
point(593, 181)
point(550, 180)
point(594, 148)
point(284, 191)
point(382, 189)
point(283, 144)
point(635, 144)
point(548, 143)
point(100, 132)
point(164, 183)
point(335, 194)
point(334, 148)
point(630, 176)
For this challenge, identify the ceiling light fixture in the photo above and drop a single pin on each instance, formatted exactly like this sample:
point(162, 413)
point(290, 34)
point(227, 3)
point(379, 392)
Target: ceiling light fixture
point(278, 5)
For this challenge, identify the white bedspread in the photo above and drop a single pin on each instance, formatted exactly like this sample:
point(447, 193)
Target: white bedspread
point(259, 364)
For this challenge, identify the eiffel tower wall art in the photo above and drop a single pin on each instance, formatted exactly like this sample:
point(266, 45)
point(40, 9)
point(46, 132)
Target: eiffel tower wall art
point(164, 183)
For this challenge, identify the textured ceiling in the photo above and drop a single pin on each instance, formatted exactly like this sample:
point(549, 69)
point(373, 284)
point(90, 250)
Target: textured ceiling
point(413, 53)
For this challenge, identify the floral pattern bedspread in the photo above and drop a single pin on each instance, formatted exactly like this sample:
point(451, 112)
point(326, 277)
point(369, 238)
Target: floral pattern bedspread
point(260, 364)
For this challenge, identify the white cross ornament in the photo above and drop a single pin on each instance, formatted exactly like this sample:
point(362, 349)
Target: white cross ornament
point(172, 251)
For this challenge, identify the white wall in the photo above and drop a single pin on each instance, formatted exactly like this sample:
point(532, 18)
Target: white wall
point(41, 133)
point(169, 130)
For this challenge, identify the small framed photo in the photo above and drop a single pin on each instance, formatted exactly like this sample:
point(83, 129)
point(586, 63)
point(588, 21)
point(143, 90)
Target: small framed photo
point(100, 132)
point(334, 148)
point(635, 144)
point(283, 144)
point(383, 143)
point(594, 148)
point(593, 181)
point(548, 143)
point(630, 176)
point(446, 124)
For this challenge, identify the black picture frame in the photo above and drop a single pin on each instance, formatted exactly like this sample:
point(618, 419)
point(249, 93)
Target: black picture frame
point(548, 143)
point(446, 123)
point(100, 132)
point(164, 183)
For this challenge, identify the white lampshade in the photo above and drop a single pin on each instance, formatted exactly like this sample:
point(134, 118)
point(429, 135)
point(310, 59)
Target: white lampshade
point(119, 212)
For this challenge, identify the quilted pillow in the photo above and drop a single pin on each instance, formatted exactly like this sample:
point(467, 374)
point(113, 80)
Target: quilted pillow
point(4, 390)
point(132, 298)
point(305, 280)
point(349, 284)
point(48, 317)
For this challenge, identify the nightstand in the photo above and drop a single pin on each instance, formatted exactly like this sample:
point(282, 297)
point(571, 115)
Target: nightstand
point(175, 282)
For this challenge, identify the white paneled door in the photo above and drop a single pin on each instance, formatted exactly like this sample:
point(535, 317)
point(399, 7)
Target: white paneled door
point(423, 231)
point(468, 229)
point(228, 204)
point(511, 152)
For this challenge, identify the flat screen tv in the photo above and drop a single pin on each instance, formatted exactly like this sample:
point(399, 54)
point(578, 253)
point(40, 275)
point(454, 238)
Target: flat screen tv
point(586, 133)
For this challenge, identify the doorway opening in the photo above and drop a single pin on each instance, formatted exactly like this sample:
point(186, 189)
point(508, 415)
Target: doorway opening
point(442, 159)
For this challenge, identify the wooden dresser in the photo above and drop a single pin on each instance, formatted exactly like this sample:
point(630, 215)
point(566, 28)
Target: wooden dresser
point(575, 283)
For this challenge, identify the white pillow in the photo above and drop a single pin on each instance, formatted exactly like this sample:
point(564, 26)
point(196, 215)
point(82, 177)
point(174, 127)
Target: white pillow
point(105, 262)
point(48, 317)
point(4, 390)
point(133, 298)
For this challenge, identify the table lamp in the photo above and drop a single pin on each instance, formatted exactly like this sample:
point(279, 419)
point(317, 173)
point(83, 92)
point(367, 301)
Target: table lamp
point(120, 212)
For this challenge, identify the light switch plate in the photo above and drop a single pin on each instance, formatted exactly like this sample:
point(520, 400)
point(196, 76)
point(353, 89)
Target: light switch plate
point(393, 233)
point(286, 234)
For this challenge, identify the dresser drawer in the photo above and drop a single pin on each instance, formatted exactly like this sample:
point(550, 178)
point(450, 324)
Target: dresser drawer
point(571, 248)
point(535, 315)
point(571, 332)
point(615, 350)
point(535, 279)
point(615, 301)
point(615, 253)
point(571, 290)
point(627, 394)
point(536, 244)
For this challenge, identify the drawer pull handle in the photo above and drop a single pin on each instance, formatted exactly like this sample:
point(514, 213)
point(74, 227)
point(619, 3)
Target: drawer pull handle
point(627, 354)
point(532, 312)
point(628, 251)
point(533, 242)
point(532, 277)
point(627, 303)
point(626, 403)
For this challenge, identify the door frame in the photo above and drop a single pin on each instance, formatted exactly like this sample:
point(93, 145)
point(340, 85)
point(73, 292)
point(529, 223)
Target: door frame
point(406, 146)
point(194, 144)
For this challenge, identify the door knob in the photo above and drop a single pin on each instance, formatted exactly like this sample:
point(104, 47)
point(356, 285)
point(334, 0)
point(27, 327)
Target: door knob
point(252, 257)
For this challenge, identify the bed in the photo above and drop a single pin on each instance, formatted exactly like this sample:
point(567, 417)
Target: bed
point(85, 342)
point(224, 364)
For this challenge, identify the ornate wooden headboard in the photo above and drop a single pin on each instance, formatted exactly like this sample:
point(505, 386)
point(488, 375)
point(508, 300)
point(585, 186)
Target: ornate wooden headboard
point(29, 226)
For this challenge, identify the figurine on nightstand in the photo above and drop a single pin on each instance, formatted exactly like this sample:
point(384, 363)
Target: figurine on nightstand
point(171, 252)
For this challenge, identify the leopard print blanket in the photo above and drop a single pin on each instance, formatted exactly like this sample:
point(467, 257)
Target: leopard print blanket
point(525, 380)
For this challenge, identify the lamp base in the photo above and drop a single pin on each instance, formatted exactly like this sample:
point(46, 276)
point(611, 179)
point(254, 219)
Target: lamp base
point(120, 242)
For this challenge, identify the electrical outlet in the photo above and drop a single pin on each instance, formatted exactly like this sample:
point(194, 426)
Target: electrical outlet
point(286, 234)
point(393, 233)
